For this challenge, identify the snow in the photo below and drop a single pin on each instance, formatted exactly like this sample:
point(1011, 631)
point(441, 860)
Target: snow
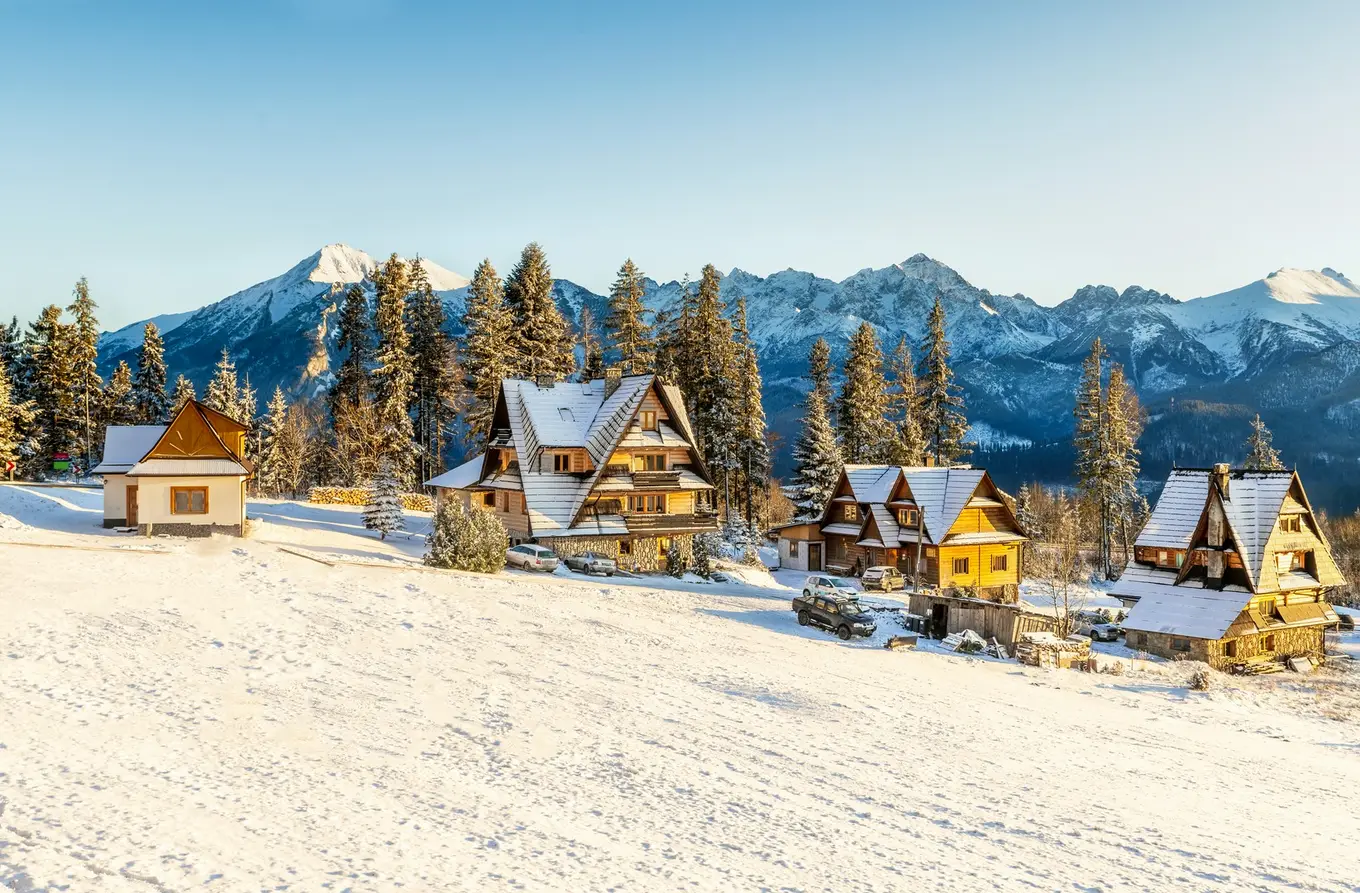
point(125, 445)
point(465, 475)
point(283, 724)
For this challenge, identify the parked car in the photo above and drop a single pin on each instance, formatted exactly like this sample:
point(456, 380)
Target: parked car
point(838, 612)
point(1347, 621)
point(531, 557)
point(830, 587)
point(1100, 632)
point(591, 563)
point(884, 578)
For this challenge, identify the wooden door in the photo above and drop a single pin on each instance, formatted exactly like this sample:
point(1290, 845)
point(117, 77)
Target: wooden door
point(131, 505)
point(814, 556)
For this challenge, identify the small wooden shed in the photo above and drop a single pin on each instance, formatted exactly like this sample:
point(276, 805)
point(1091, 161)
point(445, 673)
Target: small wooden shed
point(801, 546)
point(946, 614)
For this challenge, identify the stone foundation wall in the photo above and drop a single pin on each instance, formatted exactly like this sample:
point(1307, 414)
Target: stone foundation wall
point(645, 557)
point(1293, 642)
point(198, 530)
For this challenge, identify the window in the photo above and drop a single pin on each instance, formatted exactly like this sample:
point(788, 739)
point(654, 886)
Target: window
point(1180, 558)
point(663, 546)
point(851, 512)
point(561, 462)
point(649, 419)
point(907, 517)
point(1268, 642)
point(1180, 644)
point(647, 505)
point(654, 462)
point(1163, 558)
point(960, 565)
point(489, 499)
point(1139, 639)
point(188, 500)
point(1291, 523)
point(1268, 609)
point(999, 562)
point(1230, 648)
point(625, 547)
point(838, 547)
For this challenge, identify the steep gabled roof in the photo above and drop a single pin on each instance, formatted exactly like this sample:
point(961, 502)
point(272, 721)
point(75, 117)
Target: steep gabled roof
point(942, 493)
point(1178, 510)
point(464, 475)
point(871, 483)
point(192, 444)
point(1252, 505)
point(125, 445)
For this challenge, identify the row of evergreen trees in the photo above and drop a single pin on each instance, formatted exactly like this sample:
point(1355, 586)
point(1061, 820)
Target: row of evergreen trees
point(888, 412)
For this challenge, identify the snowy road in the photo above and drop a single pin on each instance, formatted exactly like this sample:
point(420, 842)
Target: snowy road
point(229, 717)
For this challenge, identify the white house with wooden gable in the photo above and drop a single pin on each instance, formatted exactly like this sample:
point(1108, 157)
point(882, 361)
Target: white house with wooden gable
point(1231, 568)
point(607, 466)
point(187, 478)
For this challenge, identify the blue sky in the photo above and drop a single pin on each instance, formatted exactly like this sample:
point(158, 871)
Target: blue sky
point(175, 152)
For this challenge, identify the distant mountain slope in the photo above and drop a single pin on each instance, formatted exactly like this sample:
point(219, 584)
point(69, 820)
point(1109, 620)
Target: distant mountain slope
point(1288, 345)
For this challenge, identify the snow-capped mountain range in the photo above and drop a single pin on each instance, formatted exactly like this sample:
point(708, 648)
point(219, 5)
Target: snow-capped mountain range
point(1288, 344)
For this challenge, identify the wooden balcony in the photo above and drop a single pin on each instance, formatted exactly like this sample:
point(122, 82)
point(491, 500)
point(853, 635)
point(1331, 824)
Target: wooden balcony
point(656, 479)
point(699, 522)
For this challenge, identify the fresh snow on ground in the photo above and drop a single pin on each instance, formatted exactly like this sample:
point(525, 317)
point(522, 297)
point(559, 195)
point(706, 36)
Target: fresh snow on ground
point(227, 715)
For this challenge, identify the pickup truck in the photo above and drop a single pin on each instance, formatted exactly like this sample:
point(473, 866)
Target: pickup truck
point(833, 607)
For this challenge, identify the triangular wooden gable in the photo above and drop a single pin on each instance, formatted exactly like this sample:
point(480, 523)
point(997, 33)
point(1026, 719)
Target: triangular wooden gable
point(1328, 574)
point(191, 436)
point(842, 489)
point(680, 422)
point(988, 489)
point(1198, 539)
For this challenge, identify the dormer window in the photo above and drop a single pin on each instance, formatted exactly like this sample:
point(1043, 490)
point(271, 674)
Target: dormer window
point(654, 462)
point(851, 512)
point(1291, 523)
point(561, 462)
point(648, 419)
point(907, 517)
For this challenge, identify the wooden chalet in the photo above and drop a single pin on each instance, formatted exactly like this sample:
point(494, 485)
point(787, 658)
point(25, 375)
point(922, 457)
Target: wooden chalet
point(608, 466)
point(1230, 569)
point(187, 478)
point(953, 521)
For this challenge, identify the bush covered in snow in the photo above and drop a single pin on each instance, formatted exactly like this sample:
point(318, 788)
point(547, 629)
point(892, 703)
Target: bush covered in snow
point(384, 512)
point(466, 541)
point(1202, 678)
point(707, 546)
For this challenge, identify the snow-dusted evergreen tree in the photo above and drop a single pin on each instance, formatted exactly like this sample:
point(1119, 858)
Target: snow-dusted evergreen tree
point(909, 443)
point(466, 540)
point(1088, 420)
point(355, 336)
point(712, 362)
point(664, 364)
point(119, 402)
point(184, 392)
point(15, 418)
point(47, 373)
point(438, 379)
point(384, 510)
point(708, 547)
point(592, 353)
point(153, 403)
point(268, 473)
point(224, 392)
point(245, 413)
point(752, 448)
point(819, 368)
point(737, 535)
point(394, 375)
point(487, 351)
point(12, 350)
point(1108, 422)
point(1261, 455)
point(866, 435)
point(541, 339)
point(1124, 425)
point(84, 350)
point(1025, 513)
point(941, 400)
point(631, 339)
point(817, 458)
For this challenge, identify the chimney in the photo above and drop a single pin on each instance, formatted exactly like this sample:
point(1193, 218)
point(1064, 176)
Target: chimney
point(545, 381)
point(930, 461)
point(613, 377)
point(1220, 477)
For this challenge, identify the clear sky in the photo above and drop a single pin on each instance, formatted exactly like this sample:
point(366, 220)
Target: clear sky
point(177, 152)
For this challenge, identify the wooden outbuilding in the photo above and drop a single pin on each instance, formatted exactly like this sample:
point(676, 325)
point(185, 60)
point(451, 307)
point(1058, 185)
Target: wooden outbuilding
point(946, 614)
point(801, 545)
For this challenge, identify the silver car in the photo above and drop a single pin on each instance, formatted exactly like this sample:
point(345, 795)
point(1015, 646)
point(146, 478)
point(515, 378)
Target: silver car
point(531, 558)
point(591, 563)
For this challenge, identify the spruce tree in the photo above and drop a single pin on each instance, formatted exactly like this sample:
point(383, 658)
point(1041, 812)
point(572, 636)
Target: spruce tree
point(592, 353)
point(753, 451)
point(903, 408)
point(224, 394)
point(394, 375)
point(384, 510)
point(184, 392)
point(541, 339)
point(631, 338)
point(355, 336)
point(1088, 422)
point(269, 471)
point(1261, 455)
point(153, 404)
point(819, 367)
point(11, 349)
point(664, 364)
point(865, 433)
point(711, 357)
point(436, 378)
point(47, 372)
point(1123, 426)
point(119, 401)
point(816, 456)
point(488, 323)
point(941, 403)
point(1025, 513)
point(15, 417)
point(466, 540)
point(84, 349)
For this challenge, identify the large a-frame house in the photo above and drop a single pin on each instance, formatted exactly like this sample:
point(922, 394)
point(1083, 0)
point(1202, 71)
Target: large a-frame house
point(954, 521)
point(608, 466)
point(1231, 568)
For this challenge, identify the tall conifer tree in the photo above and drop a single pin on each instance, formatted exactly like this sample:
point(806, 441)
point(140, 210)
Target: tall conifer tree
point(394, 375)
point(541, 338)
point(861, 413)
point(712, 360)
point(355, 336)
point(487, 349)
point(630, 337)
point(753, 451)
point(224, 392)
point(119, 401)
point(47, 372)
point(184, 392)
point(153, 404)
point(84, 350)
point(817, 458)
point(904, 408)
point(942, 412)
point(592, 352)
point(15, 417)
point(1261, 455)
point(434, 374)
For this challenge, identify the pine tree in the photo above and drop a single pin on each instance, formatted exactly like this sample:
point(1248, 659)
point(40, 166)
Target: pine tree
point(592, 353)
point(1124, 425)
point(1088, 422)
point(394, 375)
point(269, 471)
point(819, 368)
point(541, 339)
point(941, 400)
point(351, 381)
point(865, 433)
point(1025, 513)
point(435, 387)
point(664, 363)
point(224, 394)
point(84, 350)
point(712, 374)
point(184, 392)
point(384, 510)
point(245, 410)
point(909, 443)
point(466, 540)
point(46, 372)
point(153, 405)
point(816, 456)
point(119, 401)
point(15, 417)
point(11, 349)
point(487, 349)
point(1261, 455)
point(629, 335)
point(753, 450)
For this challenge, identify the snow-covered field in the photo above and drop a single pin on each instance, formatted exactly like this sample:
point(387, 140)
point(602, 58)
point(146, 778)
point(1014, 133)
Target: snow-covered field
point(226, 715)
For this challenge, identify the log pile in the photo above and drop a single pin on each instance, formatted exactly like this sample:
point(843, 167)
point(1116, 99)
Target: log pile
point(1043, 649)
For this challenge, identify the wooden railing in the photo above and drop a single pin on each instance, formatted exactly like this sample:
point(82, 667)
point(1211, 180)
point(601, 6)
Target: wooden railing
point(691, 523)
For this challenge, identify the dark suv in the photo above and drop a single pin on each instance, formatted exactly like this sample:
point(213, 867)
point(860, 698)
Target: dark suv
point(845, 617)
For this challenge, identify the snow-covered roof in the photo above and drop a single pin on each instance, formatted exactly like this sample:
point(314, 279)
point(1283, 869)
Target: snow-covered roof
point(886, 523)
point(1252, 505)
point(1178, 510)
point(1139, 580)
point(188, 468)
point(984, 538)
point(942, 494)
point(594, 525)
point(871, 483)
point(125, 445)
point(1187, 611)
point(663, 437)
point(464, 475)
point(842, 529)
